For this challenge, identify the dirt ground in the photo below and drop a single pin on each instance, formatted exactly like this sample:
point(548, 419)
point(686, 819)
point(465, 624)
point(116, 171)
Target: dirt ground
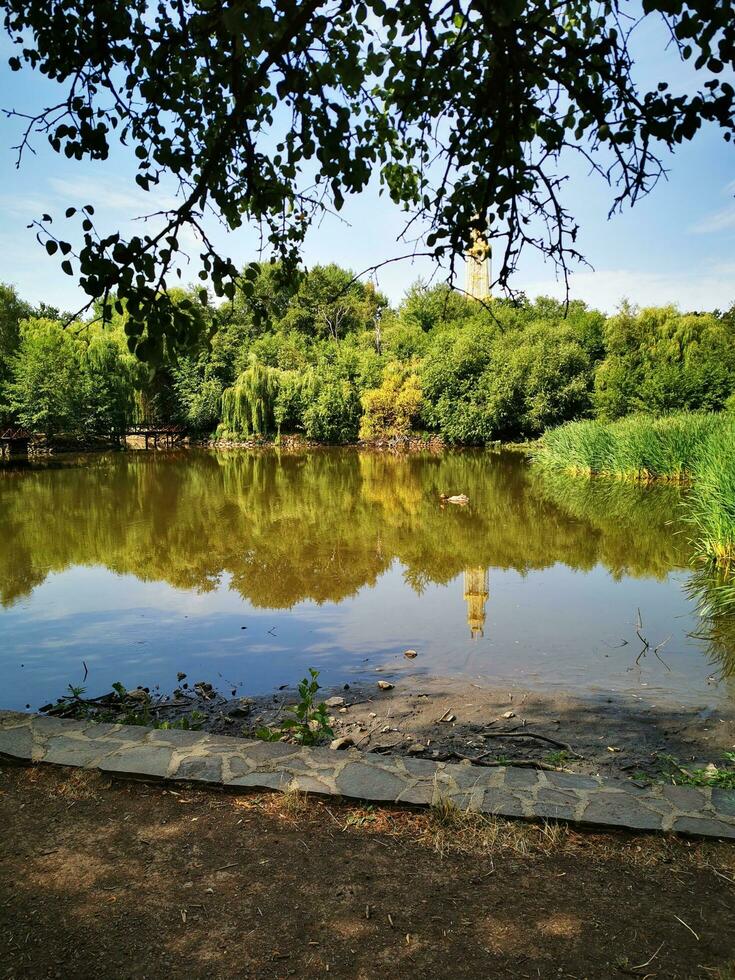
point(110, 879)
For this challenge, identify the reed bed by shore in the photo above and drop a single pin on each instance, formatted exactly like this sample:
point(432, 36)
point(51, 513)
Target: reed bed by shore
point(695, 447)
point(711, 508)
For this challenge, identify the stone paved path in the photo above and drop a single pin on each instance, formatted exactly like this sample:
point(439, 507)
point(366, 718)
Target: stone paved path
point(237, 762)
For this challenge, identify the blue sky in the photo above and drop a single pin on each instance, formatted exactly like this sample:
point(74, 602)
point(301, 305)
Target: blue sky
point(677, 245)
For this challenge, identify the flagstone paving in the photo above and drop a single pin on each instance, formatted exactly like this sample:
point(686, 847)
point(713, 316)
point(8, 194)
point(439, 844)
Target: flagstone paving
point(238, 763)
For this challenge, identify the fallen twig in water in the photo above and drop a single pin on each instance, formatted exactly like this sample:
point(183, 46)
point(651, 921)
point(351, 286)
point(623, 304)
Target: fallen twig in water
point(656, 649)
point(647, 645)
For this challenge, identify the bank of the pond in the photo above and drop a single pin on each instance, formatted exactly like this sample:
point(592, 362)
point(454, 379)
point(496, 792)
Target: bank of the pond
point(647, 738)
point(40, 447)
point(693, 447)
point(415, 442)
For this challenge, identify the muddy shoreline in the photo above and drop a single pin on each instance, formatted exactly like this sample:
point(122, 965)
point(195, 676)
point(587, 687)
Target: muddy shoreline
point(611, 736)
point(443, 718)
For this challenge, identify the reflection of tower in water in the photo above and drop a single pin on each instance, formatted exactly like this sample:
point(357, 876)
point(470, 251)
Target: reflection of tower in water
point(476, 594)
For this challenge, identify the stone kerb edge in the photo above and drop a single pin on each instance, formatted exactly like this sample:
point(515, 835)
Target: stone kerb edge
point(237, 763)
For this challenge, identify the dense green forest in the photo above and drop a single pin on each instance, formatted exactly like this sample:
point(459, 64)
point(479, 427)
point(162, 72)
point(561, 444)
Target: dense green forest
point(328, 357)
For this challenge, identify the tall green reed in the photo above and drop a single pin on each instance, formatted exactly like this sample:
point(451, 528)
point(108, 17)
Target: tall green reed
point(711, 508)
point(692, 446)
point(637, 447)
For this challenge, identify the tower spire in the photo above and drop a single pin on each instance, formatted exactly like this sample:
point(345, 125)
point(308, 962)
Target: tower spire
point(478, 266)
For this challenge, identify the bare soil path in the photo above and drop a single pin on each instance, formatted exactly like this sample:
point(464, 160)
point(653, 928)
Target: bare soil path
point(127, 880)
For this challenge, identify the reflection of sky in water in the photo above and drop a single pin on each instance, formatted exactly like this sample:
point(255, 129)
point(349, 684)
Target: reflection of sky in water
point(557, 628)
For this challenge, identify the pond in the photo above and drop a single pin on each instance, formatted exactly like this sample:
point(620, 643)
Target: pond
point(244, 568)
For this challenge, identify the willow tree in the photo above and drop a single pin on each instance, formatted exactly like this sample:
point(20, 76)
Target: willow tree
point(248, 407)
point(466, 111)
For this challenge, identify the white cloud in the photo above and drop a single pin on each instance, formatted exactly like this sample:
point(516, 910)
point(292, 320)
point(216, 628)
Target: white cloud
point(604, 289)
point(113, 194)
point(25, 208)
point(717, 221)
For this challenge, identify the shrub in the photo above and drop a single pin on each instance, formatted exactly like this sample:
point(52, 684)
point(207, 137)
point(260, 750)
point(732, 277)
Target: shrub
point(333, 409)
point(659, 360)
point(290, 403)
point(391, 409)
point(451, 376)
point(76, 381)
point(198, 394)
point(537, 377)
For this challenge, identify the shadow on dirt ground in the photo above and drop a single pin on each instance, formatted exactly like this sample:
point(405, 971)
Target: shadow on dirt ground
point(109, 879)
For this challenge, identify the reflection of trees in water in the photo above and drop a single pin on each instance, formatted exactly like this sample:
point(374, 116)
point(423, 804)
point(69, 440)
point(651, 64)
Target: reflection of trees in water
point(714, 594)
point(653, 536)
point(318, 525)
point(641, 527)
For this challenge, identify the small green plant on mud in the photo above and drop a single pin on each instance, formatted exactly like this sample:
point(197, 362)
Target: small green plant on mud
point(139, 712)
point(721, 777)
point(558, 758)
point(121, 707)
point(189, 723)
point(361, 818)
point(306, 722)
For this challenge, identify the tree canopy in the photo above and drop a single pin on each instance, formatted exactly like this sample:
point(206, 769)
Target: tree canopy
point(438, 363)
point(465, 110)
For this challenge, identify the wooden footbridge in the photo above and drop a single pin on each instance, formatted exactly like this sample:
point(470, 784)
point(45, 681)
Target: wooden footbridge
point(165, 435)
point(14, 442)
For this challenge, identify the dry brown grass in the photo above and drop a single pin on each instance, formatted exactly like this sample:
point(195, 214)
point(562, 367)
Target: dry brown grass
point(79, 784)
point(445, 828)
point(448, 830)
point(294, 803)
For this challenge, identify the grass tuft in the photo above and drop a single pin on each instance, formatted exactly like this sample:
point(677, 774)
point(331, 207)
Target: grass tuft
point(452, 830)
point(712, 500)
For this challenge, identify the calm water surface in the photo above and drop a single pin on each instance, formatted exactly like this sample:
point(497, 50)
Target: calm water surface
point(145, 564)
